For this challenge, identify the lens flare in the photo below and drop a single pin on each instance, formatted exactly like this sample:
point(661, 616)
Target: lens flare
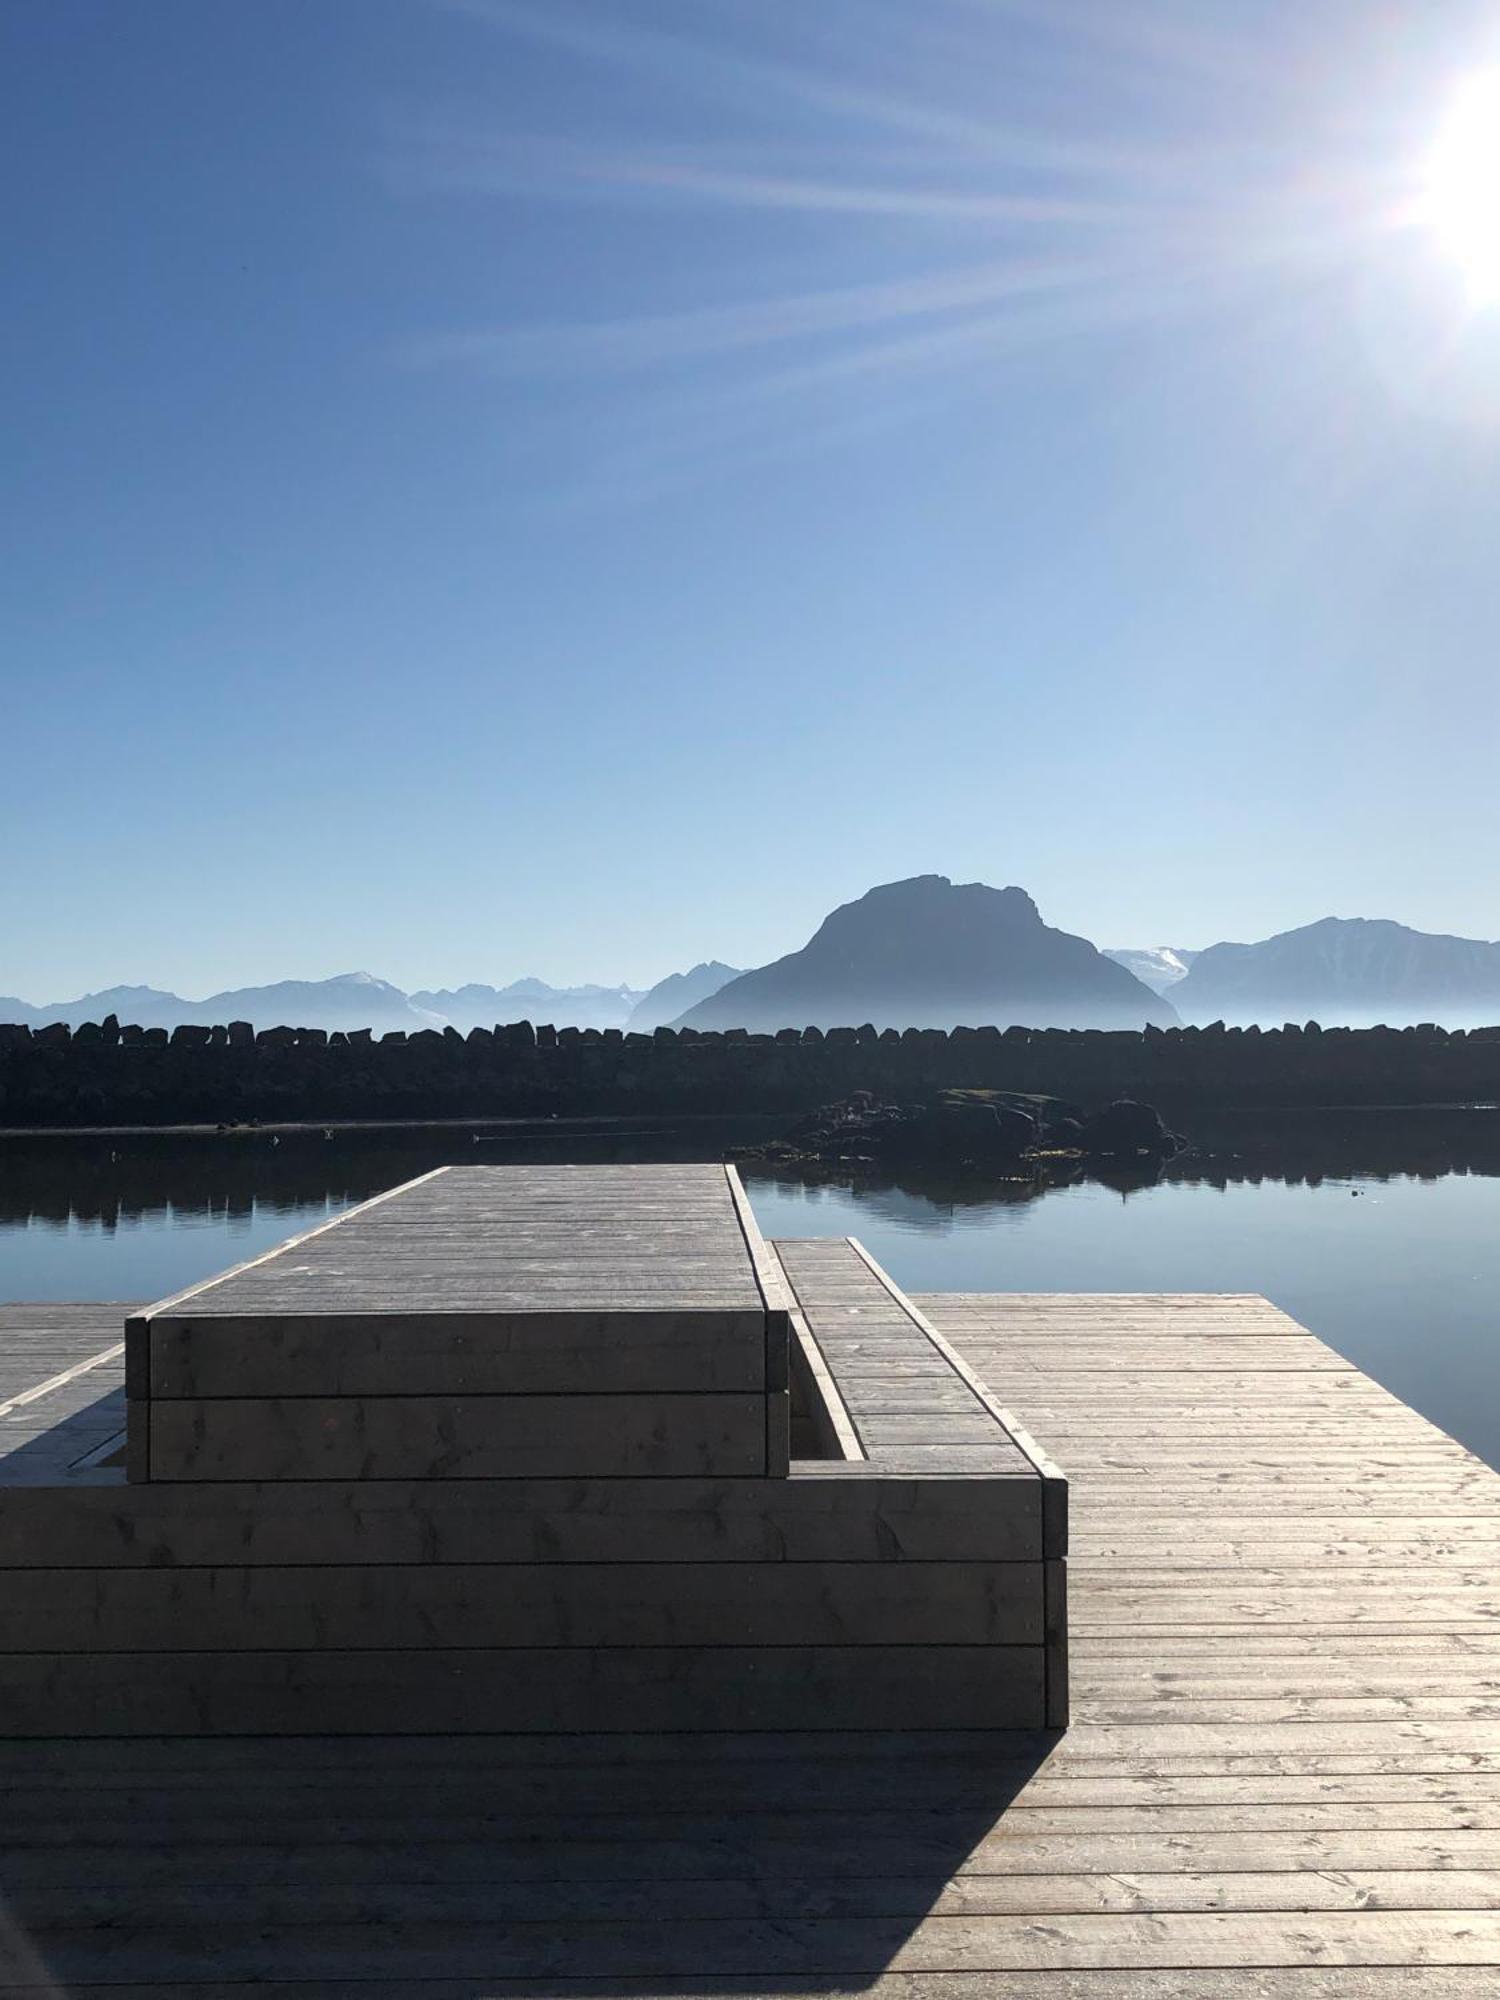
point(1461, 202)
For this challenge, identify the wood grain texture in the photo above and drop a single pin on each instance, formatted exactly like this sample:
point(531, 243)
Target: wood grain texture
point(479, 1283)
point(513, 1239)
point(459, 1691)
point(1298, 1799)
point(498, 1605)
point(450, 1437)
point(800, 1519)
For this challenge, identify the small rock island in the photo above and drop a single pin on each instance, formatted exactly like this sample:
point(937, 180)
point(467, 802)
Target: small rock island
point(976, 1129)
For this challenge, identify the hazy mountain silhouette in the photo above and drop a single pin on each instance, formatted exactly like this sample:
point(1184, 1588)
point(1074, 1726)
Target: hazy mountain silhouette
point(147, 1006)
point(927, 953)
point(673, 995)
point(350, 1000)
point(1159, 966)
point(477, 1006)
point(1345, 972)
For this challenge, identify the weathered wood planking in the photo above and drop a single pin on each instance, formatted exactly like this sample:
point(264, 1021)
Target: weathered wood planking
point(668, 1434)
point(1282, 1804)
point(102, 1524)
point(916, 1406)
point(61, 1399)
point(480, 1322)
point(390, 1569)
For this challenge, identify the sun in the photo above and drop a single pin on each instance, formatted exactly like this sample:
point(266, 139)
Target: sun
point(1461, 194)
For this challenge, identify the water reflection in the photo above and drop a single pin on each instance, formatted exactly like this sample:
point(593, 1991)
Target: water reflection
point(208, 1179)
point(1289, 1148)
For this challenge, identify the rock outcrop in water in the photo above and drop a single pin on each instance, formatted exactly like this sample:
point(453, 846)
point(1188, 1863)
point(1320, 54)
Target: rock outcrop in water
point(975, 1129)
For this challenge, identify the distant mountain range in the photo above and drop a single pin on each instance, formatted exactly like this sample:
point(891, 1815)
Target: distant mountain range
point(351, 1000)
point(1351, 972)
point(919, 953)
point(679, 991)
point(929, 953)
point(466, 1007)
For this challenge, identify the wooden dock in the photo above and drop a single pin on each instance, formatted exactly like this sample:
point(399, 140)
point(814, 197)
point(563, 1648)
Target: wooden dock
point(1282, 1779)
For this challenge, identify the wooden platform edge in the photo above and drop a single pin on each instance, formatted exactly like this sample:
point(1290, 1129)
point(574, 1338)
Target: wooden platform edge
point(1054, 1479)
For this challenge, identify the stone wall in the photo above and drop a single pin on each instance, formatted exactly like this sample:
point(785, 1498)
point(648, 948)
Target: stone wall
point(108, 1075)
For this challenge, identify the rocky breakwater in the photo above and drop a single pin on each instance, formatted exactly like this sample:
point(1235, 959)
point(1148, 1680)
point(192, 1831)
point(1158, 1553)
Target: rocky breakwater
point(104, 1074)
point(978, 1130)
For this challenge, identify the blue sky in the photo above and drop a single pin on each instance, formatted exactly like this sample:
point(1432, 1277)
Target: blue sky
point(578, 487)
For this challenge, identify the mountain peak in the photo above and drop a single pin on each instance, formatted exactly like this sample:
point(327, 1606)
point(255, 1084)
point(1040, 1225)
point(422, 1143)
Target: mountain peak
point(928, 952)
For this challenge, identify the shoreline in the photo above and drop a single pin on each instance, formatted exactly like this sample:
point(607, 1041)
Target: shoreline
point(575, 1121)
point(639, 1122)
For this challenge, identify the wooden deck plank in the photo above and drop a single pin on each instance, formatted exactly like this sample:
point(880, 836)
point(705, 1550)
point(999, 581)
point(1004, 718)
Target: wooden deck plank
point(1283, 1776)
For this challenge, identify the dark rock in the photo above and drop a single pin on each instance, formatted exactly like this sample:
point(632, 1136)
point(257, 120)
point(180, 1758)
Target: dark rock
point(1125, 1128)
point(971, 1127)
point(276, 1038)
point(312, 1038)
point(54, 1035)
point(241, 1035)
point(88, 1034)
point(189, 1036)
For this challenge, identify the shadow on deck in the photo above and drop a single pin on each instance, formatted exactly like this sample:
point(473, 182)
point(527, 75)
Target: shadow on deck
point(518, 1866)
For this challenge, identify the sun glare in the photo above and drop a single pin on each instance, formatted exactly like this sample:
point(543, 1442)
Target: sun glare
point(1461, 201)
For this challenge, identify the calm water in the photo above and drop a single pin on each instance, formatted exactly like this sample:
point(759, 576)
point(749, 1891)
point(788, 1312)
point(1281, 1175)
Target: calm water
point(1380, 1231)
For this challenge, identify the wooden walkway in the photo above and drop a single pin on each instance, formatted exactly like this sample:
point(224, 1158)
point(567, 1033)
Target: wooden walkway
point(1282, 1779)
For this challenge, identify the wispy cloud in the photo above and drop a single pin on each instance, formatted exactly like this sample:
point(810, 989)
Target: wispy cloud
point(652, 340)
point(989, 234)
